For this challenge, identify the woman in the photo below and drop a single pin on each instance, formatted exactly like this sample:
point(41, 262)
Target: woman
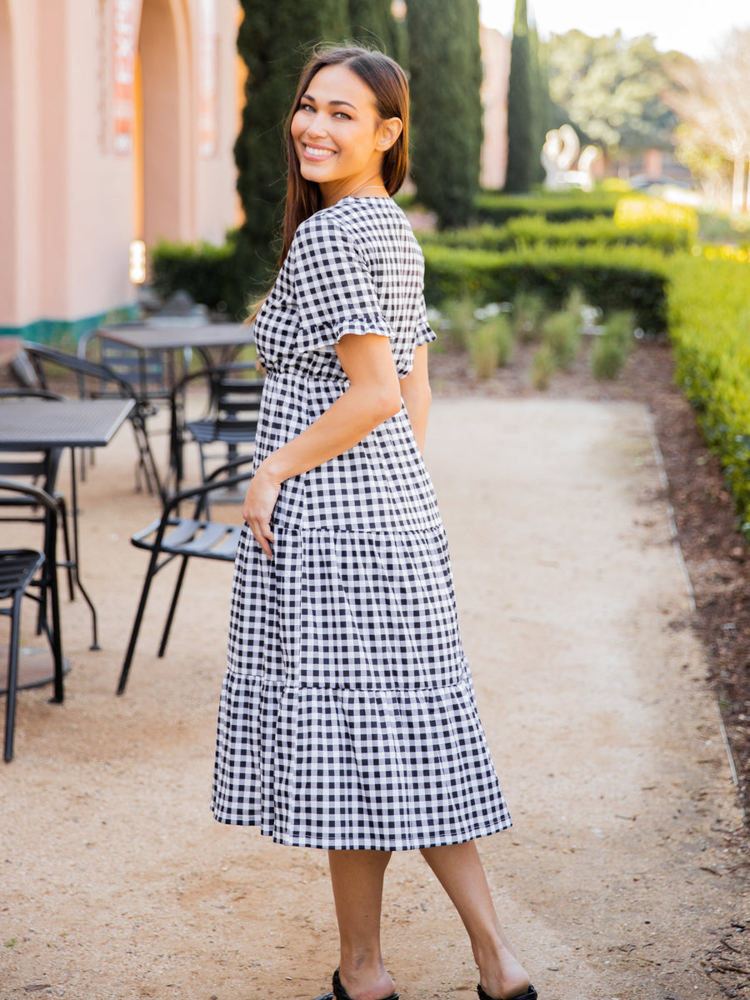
point(347, 719)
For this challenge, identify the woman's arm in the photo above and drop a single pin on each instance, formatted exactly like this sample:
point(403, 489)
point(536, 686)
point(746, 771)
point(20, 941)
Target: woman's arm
point(373, 396)
point(417, 395)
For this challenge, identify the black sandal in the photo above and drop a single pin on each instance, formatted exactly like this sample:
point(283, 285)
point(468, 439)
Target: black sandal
point(530, 994)
point(339, 993)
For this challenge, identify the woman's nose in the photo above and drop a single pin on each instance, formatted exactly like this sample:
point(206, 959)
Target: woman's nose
point(316, 126)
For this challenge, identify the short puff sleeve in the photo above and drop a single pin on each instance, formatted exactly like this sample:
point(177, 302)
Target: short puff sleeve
point(335, 291)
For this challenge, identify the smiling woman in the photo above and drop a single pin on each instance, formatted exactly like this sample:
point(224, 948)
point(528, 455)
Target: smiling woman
point(340, 143)
point(347, 719)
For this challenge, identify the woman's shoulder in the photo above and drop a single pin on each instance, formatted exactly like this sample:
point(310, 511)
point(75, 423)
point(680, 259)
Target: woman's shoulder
point(350, 219)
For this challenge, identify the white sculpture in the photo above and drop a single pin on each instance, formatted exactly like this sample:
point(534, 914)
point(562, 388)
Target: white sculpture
point(564, 163)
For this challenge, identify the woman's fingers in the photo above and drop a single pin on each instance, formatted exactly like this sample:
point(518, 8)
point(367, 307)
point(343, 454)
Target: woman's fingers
point(263, 536)
point(257, 509)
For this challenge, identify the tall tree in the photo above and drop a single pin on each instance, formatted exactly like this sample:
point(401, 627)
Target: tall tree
point(521, 169)
point(274, 40)
point(713, 101)
point(373, 25)
point(612, 90)
point(543, 110)
point(446, 75)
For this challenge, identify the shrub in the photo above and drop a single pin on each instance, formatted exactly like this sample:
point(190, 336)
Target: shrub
point(532, 230)
point(638, 210)
point(207, 272)
point(461, 321)
point(623, 278)
point(562, 335)
point(528, 313)
point(558, 206)
point(709, 323)
point(491, 345)
point(611, 348)
point(543, 367)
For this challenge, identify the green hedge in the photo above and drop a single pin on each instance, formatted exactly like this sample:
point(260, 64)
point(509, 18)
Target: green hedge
point(206, 271)
point(531, 230)
point(624, 278)
point(562, 206)
point(709, 323)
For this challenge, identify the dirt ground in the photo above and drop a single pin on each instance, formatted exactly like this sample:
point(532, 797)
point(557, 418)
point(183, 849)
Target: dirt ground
point(595, 663)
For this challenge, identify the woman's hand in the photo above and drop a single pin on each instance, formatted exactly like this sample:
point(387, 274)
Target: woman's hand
point(257, 510)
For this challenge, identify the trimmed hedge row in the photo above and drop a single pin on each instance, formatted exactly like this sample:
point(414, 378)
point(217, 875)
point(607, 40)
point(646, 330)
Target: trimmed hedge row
point(532, 230)
point(709, 325)
point(563, 206)
point(207, 272)
point(624, 279)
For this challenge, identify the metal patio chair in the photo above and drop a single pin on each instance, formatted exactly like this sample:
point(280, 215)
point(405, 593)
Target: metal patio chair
point(20, 571)
point(195, 536)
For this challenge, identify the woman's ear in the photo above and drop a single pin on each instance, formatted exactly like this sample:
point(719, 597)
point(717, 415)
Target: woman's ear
point(389, 131)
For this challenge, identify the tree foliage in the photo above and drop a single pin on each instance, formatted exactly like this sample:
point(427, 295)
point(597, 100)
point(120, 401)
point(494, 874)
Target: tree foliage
point(274, 41)
point(374, 26)
point(521, 170)
point(712, 100)
point(612, 89)
point(446, 75)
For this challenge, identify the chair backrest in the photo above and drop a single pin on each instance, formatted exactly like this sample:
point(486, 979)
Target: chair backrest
point(93, 380)
point(150, 372)
point(238, 398)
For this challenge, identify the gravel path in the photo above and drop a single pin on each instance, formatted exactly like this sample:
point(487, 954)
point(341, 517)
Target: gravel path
point(621, 876)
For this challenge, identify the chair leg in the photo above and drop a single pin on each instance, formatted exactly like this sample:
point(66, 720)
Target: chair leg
point(151, 572)
point(173, 606)
point(146, 461)
point(10, 704)
point(49, 571)
point(204, 476)
point(62, 506)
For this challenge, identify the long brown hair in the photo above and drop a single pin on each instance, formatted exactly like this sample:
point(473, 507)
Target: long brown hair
point(388, 82)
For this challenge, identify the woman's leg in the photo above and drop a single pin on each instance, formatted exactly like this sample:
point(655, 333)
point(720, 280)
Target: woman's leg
point(357, 881)
point(459, 870)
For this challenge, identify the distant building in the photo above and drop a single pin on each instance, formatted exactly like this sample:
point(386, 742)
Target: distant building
point(496, 70)
point(117, 119)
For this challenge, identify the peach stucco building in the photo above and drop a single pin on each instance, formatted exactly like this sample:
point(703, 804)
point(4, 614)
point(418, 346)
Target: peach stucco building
point(117, 120)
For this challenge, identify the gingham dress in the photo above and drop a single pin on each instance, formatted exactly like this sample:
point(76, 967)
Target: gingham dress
point(347, 715)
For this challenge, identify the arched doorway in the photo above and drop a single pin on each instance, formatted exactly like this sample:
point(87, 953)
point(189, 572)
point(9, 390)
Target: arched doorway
point(159, 149)
point(8, 247)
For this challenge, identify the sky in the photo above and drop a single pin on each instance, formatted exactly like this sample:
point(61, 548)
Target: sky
point(696, 27)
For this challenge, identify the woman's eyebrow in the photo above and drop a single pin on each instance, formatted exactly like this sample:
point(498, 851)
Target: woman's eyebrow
point(312, 100)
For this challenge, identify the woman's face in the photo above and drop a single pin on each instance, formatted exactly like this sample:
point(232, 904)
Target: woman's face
point(338, 136)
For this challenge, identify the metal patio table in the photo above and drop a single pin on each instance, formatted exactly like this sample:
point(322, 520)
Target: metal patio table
point(27, 425)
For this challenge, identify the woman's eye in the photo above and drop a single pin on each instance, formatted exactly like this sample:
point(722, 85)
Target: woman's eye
point(342, 114)
point(306, 107)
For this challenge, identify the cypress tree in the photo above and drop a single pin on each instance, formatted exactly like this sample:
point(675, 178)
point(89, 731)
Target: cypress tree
point(446, 76)
point(274, 41)
point(520, 168)
point(542, 110)
point(373, 25)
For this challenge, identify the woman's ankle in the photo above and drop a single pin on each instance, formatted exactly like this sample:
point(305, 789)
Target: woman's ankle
point(366, 980)
point(501, 974)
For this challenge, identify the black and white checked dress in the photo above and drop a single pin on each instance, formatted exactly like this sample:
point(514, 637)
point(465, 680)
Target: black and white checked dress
point(347, 715)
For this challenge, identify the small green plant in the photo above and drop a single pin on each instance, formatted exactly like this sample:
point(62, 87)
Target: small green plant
point(575, 302)
point(543, 367)
point(562, 335)
point(491, 345)
point(461, 320)
point(528, 314)
point(611, 349)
